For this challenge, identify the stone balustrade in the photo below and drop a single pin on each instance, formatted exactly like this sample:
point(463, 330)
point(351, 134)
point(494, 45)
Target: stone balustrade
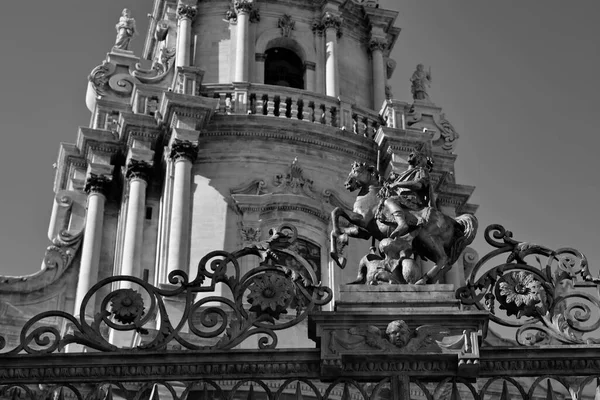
point(296, 104)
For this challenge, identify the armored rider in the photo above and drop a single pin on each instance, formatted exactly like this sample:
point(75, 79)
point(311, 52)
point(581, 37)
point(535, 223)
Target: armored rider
point(407, 195)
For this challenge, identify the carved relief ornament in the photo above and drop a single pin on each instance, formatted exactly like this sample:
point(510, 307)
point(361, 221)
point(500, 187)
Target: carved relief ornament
point(250, 234)
point(186, 11)
point(286, 24)
point(231, 15)
point(294, 181)
point(104, 79)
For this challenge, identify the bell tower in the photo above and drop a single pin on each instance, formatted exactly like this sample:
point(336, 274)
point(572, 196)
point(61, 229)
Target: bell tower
point(247, 117)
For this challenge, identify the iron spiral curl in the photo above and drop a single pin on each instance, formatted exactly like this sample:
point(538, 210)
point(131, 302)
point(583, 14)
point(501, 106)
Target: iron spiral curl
point(539, 291)
point(220, 307)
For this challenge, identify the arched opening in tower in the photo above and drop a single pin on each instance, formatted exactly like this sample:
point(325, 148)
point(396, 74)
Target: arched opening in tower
point(283, 68)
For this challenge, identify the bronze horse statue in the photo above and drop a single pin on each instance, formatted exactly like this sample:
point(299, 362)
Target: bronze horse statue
point(440, 238)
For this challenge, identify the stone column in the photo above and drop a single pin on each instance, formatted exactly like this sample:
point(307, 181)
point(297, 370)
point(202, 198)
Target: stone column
point(377, 46)
point(259, 73)
point(319, 32)
point(185, 16)
point(332, 25)
point(183, 154)
point(310, 76)
point(137, 176)
point(246, 13)
point(97, 184)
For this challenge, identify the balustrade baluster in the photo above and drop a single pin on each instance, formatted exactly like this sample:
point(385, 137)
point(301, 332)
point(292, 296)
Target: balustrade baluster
point(364, 127)
point(311, 111)
point(334, 116)
point(283, 108)
point(271, 105)
point(265, 104)
point(302, 111)
point(293, 109)
point(323, 115)
point(355, 124)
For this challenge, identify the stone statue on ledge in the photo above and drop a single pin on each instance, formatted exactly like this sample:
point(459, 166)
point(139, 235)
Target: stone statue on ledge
point(420, 83)
point(400, 214)
point(125, 30)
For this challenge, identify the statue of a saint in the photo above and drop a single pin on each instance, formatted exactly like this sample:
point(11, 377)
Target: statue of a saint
point(420, 82)
point(125, 30)
point(408, 194)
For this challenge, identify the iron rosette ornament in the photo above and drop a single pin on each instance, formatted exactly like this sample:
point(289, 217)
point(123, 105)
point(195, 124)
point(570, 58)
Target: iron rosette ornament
point(545, 294)
point(219, 308)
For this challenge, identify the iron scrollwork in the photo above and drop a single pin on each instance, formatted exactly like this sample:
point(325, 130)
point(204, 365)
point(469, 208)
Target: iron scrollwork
point(253, 306)
point(544, 293)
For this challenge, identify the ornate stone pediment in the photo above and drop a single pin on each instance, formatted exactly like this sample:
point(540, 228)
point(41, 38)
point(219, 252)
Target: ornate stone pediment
point(291, 190)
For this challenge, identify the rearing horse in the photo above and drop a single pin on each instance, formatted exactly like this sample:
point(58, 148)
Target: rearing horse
point(440, 239)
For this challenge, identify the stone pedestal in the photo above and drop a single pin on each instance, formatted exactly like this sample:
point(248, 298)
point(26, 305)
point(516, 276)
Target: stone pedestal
point(410, 330)
point(397, 298)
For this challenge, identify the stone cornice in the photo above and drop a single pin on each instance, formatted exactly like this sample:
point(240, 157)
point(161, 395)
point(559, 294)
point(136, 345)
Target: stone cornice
point(171, 365)
point(276, 364)
point(199, 108)
point(138, 126)
point(98, 140)
point(325, 137)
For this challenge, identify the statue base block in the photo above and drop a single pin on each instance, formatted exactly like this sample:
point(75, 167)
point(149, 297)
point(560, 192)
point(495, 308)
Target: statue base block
point(397, 298)
point(415, 330)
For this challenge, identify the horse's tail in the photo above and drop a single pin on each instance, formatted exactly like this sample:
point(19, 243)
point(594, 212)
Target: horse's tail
point(469, 224)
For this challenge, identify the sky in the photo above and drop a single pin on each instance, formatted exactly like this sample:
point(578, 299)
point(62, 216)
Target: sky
point(518, 80)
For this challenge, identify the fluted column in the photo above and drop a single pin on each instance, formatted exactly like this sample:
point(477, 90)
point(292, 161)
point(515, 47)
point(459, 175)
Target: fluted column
point(183, 154)
point(332, 25)
point(377, 46)
point(96, 187)
point(185, 16)
point(246, 13)
point(137, 177)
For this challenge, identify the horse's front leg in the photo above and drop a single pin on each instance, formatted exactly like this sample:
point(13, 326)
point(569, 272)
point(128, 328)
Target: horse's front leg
point(339, 235)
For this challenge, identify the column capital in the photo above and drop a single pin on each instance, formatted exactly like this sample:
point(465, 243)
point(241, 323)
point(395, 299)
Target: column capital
point(377, 43)
point(185, 11)
point(247, 7)
point(332, 21)
point(138, 169)
point(183, 149)
point(98, 178)
point(97, 184)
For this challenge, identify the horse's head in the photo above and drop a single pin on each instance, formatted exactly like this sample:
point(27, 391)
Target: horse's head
point(361, 175)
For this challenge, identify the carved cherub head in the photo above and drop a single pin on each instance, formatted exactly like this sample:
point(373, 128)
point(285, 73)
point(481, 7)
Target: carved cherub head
point(398, 333)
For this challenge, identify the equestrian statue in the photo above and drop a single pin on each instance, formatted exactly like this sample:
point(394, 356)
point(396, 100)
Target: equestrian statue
point(401, 214)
